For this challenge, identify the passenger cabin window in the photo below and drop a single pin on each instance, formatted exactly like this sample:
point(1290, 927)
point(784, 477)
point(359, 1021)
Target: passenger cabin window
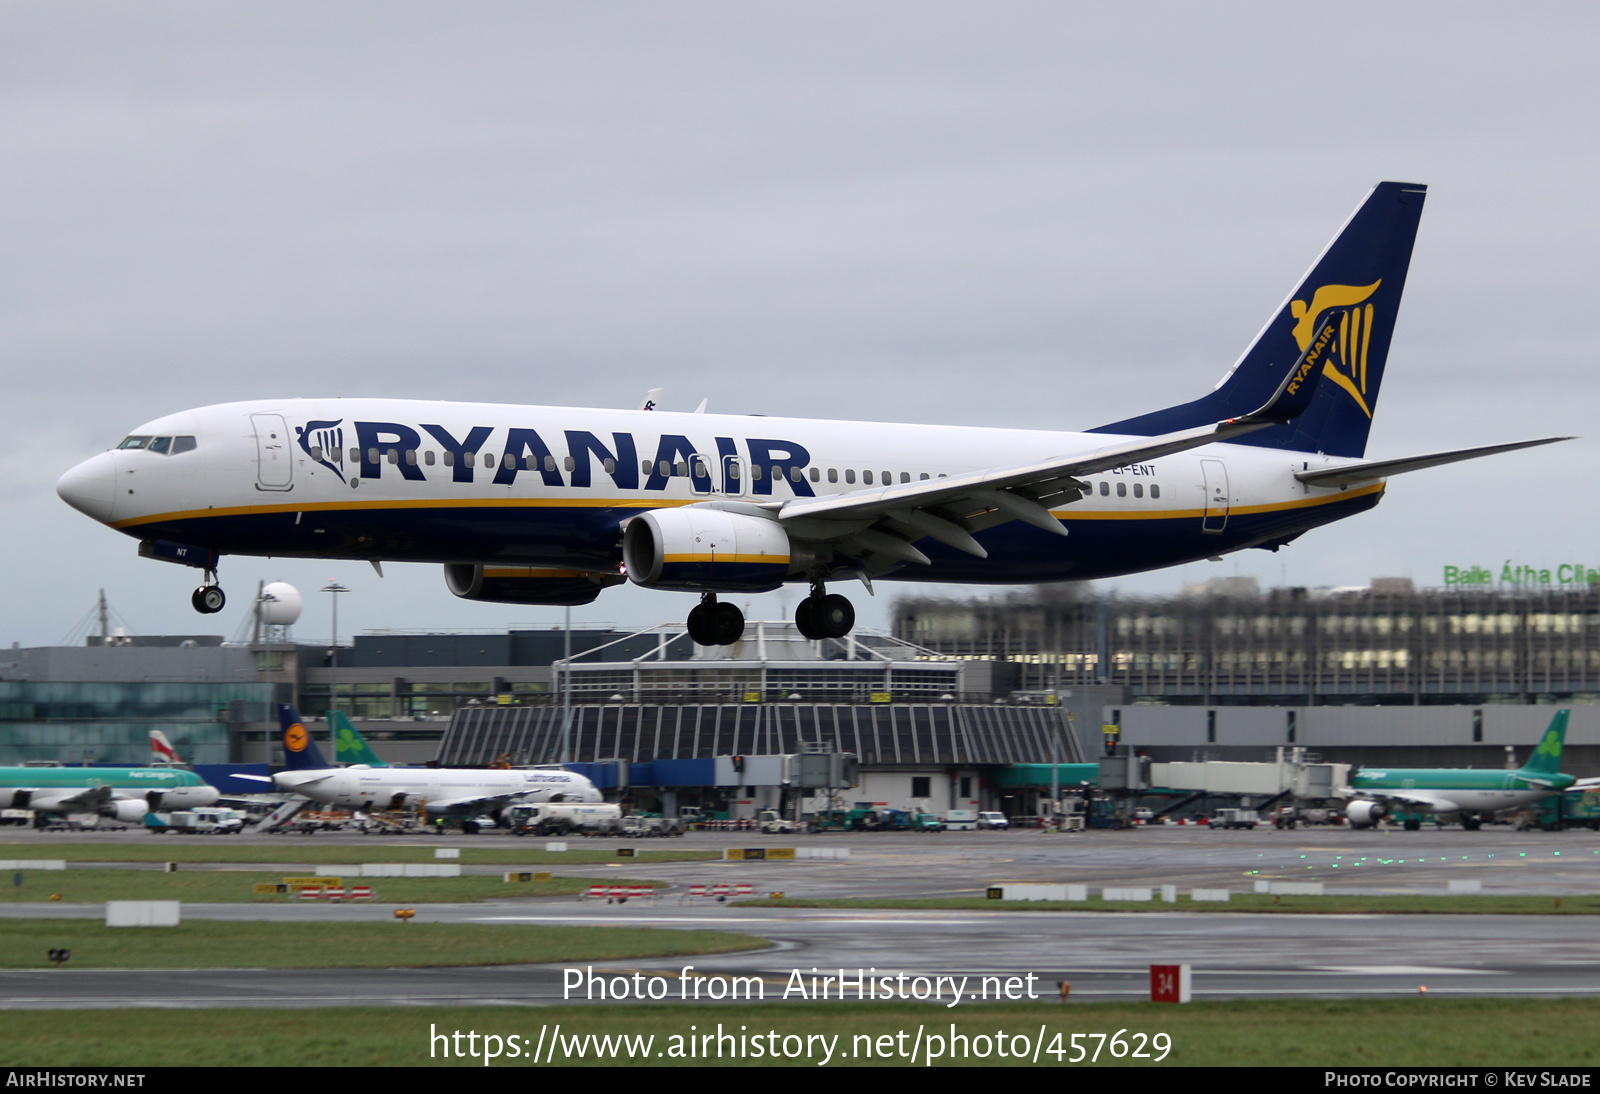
point(1105, 489)
point(1138, 490)
point(833, 474)
point(1155, 491)
point(866, 477)
point(355, 455)
point(411, 457)
point(816, 474)
point(609, 464)
point(850, 475)
point(316, 452)
point(427, 457)
point(1122, 489)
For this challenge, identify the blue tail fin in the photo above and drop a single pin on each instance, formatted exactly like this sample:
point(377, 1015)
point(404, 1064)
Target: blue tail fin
point(1356, 283)
point(300, 752)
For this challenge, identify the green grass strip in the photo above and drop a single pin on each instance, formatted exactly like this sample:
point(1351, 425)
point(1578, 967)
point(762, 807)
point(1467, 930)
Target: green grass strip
point(208, 944)
point(1294, 1033)
point(502, 852)
point(1258, 903)
point(90, 886)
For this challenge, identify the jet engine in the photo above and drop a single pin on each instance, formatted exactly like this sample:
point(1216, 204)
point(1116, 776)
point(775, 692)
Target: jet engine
point(700, 549)
point(129, 810)
point(1365, 814)
point(525, 584)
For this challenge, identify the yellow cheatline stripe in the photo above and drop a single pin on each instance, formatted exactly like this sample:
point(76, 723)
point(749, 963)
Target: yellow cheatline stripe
point(667, 503)
point(1236, 510)
point(774, 560)
point(431, 503)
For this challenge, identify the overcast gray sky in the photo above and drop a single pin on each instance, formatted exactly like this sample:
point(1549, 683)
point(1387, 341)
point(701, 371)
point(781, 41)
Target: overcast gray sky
point(1007, 214)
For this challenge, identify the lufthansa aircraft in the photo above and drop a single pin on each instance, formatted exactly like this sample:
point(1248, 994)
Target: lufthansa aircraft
point(550, 505)
point(466, 793)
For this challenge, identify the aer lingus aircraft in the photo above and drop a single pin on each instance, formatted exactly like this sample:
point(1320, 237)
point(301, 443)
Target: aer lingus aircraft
point(121, 793)
point(1463, 794)
point(550, 505)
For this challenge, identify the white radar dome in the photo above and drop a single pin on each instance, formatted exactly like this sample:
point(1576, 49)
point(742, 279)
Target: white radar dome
point(280, 604)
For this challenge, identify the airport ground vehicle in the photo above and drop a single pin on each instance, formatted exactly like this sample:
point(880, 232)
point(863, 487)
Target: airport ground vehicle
point(772, 822)
point(204, 820)
point(993, 820)
point(1235, 818)
point(560, 818)
point(961, 820)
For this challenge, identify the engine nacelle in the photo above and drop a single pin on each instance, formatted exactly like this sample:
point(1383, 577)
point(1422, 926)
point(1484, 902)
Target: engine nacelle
point(1365, 814)
point(697, 549)
point(129, 810)
point(525, 584)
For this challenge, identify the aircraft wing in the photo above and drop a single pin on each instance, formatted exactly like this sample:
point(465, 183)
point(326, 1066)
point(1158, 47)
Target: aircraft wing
point(1353, 473)
point(884, 522)
point(484, 800)
point(62, 800)
point(1421, 799)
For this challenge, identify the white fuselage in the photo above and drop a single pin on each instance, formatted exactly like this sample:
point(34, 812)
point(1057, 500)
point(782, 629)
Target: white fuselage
point(550, 486)
point(443, 789)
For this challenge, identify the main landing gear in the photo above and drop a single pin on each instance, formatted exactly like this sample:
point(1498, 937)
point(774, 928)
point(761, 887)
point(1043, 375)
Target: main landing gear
point(824, 615)
point(713, 623)
point(208, 599)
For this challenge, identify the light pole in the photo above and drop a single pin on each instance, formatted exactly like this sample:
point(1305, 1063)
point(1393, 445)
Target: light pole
point(334, 588)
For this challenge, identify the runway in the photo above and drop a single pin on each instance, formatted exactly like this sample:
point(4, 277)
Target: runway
point(1101, 955)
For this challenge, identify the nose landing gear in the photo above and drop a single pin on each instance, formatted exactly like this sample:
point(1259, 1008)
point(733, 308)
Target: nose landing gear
point(208, 599)
point(824, 615)
point(713, 623)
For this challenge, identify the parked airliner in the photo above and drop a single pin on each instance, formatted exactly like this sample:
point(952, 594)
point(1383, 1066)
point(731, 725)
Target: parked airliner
point(466, 793)
point(550, 505)
point(1464, 794)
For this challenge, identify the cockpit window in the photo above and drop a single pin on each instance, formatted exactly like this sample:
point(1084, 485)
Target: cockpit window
point(164, 446)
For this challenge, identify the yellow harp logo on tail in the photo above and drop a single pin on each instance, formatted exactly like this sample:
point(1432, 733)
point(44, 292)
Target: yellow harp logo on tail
point(1347, 367)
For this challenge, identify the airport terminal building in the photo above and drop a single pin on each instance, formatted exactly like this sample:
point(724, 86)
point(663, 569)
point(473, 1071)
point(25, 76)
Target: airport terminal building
point(960, 692)
point(1383, 673)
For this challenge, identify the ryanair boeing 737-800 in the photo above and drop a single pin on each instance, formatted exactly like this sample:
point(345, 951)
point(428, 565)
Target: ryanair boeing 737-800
point(550, 505)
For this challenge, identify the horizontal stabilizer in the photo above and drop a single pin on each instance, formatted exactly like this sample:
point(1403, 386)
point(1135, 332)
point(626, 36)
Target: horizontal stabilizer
point(1378, 469)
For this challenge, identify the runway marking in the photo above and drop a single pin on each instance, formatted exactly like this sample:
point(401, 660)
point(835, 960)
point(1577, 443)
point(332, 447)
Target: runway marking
point(1405, 970)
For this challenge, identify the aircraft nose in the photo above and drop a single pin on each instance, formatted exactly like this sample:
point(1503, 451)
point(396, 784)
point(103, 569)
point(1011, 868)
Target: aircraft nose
point(91, 487)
